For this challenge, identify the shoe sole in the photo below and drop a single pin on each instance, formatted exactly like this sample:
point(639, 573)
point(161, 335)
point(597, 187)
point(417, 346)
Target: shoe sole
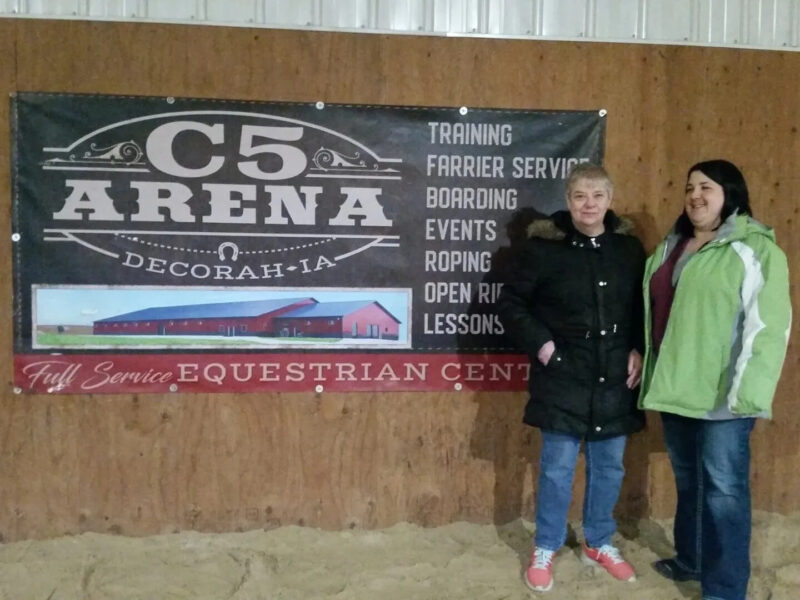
point(537, 588)
point(589, 562)
point(673, 575)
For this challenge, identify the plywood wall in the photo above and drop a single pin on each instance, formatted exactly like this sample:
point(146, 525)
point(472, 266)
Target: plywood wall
point(147, 464)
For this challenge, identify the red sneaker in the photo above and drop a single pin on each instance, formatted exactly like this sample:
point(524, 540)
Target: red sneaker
point(539, 574)
point(609, 558)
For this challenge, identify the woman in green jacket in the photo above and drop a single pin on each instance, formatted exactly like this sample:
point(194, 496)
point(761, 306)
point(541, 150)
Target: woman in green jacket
point(717, 318)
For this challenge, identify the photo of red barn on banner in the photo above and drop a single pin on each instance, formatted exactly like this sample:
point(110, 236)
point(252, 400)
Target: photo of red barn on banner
point(225, 318)
point(341, 320)
point(182, 244)
point(290, 318)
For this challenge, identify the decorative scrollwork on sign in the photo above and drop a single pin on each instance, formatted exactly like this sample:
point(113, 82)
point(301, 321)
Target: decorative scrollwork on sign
point(122, 156)
point(128, 152)
point(327, 159)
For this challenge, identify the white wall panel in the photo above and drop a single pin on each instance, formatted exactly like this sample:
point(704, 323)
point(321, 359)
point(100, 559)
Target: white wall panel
point(400, 15)
point(564, 19)
point(757, 23)
point(106, 8)
point(514, 18)
point(795, 35)
point(671, 18)
point(238, 11)
point(164, 10)
point(771, 23)
point(462, 16)
point(336, 13)
point(719, 22)
point(54, 7)
point(617, 20)
point(289, 14)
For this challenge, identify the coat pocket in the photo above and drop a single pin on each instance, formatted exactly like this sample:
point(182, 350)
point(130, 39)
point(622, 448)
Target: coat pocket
point(557, 361)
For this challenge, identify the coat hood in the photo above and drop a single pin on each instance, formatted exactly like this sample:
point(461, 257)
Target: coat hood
point(559, 225)
point(735, 227)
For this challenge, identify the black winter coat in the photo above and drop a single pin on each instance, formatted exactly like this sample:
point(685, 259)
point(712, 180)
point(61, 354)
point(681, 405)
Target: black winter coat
point(585, 295)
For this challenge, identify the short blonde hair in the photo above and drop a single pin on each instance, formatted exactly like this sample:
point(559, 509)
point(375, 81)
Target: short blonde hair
point(589, 171)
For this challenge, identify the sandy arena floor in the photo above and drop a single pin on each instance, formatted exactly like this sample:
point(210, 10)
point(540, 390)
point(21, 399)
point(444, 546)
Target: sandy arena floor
point(405, 562)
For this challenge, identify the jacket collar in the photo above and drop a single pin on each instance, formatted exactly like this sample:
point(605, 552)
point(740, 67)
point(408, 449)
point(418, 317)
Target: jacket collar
point(734, 228)
point(558, 226)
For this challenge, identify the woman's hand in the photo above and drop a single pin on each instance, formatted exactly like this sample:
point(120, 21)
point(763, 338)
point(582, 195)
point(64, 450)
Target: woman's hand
point(634, 369)
point(547, 350)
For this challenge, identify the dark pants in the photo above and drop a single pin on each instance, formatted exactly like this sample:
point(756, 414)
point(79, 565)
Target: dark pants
point(711, 461)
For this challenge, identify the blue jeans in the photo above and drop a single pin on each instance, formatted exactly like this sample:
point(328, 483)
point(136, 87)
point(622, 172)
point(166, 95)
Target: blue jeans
point(711, 460)
point(604, 472)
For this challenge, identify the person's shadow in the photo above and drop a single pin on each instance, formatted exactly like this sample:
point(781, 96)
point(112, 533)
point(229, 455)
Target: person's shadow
point(634, 497)
point(498, 434)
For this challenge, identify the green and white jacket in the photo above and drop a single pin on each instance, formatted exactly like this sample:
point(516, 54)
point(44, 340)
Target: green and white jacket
point(728, 329)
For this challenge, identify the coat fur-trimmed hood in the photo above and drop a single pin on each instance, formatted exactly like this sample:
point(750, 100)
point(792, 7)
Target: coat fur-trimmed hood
point(558, 225)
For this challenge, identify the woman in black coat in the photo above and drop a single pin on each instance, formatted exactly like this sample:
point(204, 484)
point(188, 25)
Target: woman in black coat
point(573, 303)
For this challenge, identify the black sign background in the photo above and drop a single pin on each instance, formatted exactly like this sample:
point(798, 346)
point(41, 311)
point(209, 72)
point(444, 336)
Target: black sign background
point(61, 137)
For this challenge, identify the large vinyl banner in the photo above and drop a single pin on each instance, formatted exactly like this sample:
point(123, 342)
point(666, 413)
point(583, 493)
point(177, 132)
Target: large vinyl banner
point(182, 245)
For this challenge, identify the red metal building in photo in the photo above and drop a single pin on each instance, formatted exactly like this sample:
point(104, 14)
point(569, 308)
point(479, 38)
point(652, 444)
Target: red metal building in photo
point(356, 319)
point(220, 318)
point(293, 317)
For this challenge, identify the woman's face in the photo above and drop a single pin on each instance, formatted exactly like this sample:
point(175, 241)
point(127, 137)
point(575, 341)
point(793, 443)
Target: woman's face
point(588, 200)
point(704, 200)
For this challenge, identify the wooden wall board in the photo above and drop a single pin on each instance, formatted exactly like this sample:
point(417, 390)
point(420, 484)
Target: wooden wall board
point(147, 464)
point(8, 85)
